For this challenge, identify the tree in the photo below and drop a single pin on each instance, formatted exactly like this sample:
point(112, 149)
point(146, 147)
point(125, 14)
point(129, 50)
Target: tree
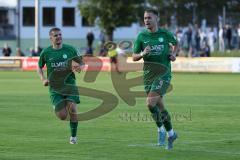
point(193, 11)
point(165, 9)
point(111, 14)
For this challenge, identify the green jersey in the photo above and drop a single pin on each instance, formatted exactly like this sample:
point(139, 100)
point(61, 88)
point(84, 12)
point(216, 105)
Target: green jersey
point(157, 62)
point(59, 72)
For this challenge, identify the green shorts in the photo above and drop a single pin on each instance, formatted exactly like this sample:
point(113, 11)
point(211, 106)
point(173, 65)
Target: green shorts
point(158, 85)
point(59, 100)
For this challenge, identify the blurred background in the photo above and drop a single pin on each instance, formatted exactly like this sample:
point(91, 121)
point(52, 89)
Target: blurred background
point(203, 28)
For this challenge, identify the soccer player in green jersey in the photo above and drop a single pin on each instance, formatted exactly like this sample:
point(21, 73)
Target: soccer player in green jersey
point(157, 47)
point(61, 61)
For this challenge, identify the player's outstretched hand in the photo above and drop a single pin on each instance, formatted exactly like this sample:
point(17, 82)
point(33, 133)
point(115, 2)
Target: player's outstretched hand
point(45, 82)
point(172, 57)
point(76, 68)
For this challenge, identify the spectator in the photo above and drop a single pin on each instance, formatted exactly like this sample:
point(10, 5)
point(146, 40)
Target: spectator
point(197, 38)
point(89, 52)
point(221, 39)
point(205, 50)
point(180, 38)
point(238, 30)
point(211, 39)
point(6, 50)
point(234, 40)
point(229, 37)
point(39, 50)
point(203, 38)
point(189, 38)
point(34, 53)
point(19, 53)
point(90, 39)
point(195, 41)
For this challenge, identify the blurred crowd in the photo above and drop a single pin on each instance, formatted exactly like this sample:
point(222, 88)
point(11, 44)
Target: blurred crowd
point(196, 42)
point(6, 51)
point(193, 42)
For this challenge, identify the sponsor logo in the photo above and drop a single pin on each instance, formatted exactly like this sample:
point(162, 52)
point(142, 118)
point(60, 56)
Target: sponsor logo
point(160, 39)
point(65, 56)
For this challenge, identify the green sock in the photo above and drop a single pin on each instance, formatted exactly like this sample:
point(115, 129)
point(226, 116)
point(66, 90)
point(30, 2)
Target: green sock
point(73, 127)
point(156, 115)
point(166, 119)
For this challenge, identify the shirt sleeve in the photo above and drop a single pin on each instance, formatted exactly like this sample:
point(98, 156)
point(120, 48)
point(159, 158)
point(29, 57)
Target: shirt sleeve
point(137, 47)
point(172, 38)
point(42, 60)
point(77, 56)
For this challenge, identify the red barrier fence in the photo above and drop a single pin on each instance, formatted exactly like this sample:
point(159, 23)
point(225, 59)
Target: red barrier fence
point(212, 64)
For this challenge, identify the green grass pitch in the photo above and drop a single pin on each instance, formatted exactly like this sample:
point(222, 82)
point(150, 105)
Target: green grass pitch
point(205, 111)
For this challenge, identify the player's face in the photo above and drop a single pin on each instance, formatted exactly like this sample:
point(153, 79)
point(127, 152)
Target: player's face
point(56, 37)
point(150, 20)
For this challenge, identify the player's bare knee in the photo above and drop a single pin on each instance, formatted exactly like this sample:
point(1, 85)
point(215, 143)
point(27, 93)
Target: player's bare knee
point(71, 108)
point(62, 115)
point(151, 102)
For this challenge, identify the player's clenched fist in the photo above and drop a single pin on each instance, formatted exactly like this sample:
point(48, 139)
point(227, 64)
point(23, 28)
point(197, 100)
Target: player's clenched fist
point(45, 82)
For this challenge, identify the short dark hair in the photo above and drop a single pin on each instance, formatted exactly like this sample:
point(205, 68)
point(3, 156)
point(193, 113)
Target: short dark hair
point(54, 29)
point(150, 10)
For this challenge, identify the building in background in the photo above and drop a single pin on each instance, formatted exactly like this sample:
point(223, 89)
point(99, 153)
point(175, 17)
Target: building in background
point(63, 14)
point(7, 20)
point(60, 13)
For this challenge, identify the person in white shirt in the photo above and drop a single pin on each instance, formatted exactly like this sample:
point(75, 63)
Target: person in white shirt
point(221, 40)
